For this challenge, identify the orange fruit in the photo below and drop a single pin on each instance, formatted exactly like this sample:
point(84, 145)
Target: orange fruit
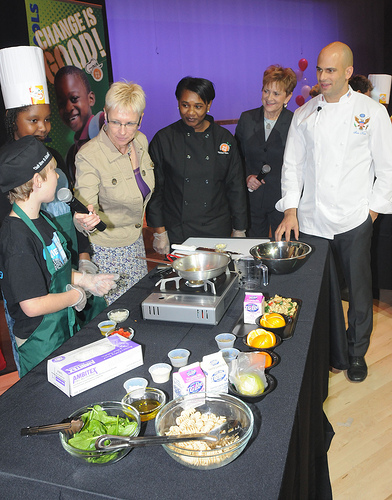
point(272, 320)
point(262, 340)
point(253, 334)
point(268, 358)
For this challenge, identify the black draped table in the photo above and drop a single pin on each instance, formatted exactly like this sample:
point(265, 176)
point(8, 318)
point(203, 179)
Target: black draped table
point(285, 458)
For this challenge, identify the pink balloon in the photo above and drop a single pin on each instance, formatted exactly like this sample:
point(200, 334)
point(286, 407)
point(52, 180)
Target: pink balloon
point(305, 91)
point(302, 64)
point(299, 74)
point(300, 100)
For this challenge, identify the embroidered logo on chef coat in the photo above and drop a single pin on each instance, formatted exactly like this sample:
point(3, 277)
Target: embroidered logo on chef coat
point(361, 122)
point(224, 148)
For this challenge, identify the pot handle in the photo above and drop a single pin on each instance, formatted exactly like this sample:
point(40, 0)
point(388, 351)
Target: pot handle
point(264, 268)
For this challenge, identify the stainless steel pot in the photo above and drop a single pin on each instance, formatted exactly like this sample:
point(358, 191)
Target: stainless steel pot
point(201, 266)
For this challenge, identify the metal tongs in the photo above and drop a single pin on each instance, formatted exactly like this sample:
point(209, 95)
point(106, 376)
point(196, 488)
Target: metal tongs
point(229, 428)
point(69, 426)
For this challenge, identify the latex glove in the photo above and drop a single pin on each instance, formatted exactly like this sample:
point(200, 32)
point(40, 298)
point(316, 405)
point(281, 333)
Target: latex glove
point(87, 266)
point(81, 302)
point(237, 233)
point(98, 284)
point(161, 243)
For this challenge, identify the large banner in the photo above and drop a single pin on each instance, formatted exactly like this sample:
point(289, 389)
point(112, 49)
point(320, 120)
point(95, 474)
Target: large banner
point(71, 34)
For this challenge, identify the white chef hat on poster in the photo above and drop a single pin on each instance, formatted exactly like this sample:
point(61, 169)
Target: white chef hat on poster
point(22, 76)
point(382, 88)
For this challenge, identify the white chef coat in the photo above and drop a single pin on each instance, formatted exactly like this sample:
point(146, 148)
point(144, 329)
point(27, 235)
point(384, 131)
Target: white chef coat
point(333, 153)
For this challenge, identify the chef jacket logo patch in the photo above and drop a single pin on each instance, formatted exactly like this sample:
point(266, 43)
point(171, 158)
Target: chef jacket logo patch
point(361, 122)
point(224, 148)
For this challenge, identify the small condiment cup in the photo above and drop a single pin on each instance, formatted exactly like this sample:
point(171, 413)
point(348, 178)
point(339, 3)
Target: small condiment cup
point(160, 372)
point(179, 357)
point(229, 354)
point(135, 385)
point(107, 326)
point(225, 340)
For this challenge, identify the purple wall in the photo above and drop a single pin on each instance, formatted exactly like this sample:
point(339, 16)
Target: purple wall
point(157, 42)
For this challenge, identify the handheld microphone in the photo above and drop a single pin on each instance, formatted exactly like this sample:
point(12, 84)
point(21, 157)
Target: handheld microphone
point(65, 195)
point(265, 169)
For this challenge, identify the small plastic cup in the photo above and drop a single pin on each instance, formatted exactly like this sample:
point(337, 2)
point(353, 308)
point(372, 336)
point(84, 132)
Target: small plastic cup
point(229, 354)
point(135, 385)
point(107, 326)
point(225, 340)
point(179, 357)
point(160, 372)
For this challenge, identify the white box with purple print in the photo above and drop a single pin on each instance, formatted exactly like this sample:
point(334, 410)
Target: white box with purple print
point(91, 365)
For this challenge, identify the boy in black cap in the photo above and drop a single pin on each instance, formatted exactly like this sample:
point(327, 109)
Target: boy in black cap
point(35, 270)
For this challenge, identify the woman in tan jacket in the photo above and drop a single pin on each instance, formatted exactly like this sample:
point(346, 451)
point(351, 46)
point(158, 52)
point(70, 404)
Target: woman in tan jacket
point(115, 174)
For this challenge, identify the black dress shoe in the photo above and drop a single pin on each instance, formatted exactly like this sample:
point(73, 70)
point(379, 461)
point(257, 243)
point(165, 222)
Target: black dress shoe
point(358, 369)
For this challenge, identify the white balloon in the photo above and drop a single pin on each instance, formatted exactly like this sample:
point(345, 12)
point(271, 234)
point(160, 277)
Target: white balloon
point(305, 91)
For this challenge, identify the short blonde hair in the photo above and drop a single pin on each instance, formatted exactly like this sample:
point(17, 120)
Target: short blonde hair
point(23, 192)
point(125, 95)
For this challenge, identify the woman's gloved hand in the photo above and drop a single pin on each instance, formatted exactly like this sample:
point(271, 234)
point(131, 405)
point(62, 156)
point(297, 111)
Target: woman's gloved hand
point(80, 304)
point(87, 266)
point(238, 233)
point(161, 243)
point(98, 284)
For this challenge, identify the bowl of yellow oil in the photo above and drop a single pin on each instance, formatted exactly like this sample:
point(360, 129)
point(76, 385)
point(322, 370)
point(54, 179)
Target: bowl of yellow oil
point(147, 403)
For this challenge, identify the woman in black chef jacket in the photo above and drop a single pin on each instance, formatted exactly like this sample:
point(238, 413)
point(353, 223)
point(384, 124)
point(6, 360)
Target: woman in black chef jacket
point(199, 181)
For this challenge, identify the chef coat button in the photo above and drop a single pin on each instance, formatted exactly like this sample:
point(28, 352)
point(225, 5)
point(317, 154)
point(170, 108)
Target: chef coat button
point(206, 181)
point(185, 203)
point(207, 157)
point(138, 226)
point(188, 156)
point(187, 179)
point(188, 134)
point(205, 204)
point(143, 172)
point(207, 136)
point(114, 182)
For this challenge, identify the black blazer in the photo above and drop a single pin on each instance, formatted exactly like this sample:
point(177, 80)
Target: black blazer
point(256, 152)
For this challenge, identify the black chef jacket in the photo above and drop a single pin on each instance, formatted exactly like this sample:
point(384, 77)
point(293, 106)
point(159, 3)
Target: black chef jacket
point(199, 182)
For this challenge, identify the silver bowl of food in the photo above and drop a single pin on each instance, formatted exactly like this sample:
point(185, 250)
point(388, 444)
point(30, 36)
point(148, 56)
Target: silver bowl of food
point(282, 257)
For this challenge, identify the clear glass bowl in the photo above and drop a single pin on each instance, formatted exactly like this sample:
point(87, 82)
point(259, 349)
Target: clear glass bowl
point(219, 404)
point(102, 457)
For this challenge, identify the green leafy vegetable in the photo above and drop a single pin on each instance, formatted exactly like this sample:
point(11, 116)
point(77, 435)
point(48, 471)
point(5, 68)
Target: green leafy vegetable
point(98, 422)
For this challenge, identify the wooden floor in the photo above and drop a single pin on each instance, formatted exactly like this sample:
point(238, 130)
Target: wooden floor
point(360, 457)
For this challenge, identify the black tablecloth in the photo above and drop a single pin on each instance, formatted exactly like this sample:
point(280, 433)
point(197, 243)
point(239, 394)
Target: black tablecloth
point(286, 457)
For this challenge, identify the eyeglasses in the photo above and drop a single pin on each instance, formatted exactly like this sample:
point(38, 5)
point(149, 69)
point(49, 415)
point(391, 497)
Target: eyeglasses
point(128, 126)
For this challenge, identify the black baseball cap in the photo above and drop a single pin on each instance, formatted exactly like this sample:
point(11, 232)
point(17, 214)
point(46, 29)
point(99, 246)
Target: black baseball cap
point(20, 160)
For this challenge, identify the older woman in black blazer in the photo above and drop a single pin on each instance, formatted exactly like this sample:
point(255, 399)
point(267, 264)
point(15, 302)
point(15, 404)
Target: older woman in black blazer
point(261, 134)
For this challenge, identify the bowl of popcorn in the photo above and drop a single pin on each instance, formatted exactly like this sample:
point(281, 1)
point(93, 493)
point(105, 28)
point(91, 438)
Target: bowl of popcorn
point(201, 413)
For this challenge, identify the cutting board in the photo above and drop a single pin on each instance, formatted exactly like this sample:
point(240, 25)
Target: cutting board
point(240, 245)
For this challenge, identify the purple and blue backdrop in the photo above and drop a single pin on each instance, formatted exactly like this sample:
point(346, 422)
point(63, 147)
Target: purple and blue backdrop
point(157, 42)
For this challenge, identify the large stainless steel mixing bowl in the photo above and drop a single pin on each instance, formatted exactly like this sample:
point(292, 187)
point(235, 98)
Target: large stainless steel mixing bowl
point(201, 266)
point(282, 257)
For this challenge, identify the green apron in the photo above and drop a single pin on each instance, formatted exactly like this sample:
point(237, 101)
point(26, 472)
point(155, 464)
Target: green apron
point(95, 305)
point(55, 328)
